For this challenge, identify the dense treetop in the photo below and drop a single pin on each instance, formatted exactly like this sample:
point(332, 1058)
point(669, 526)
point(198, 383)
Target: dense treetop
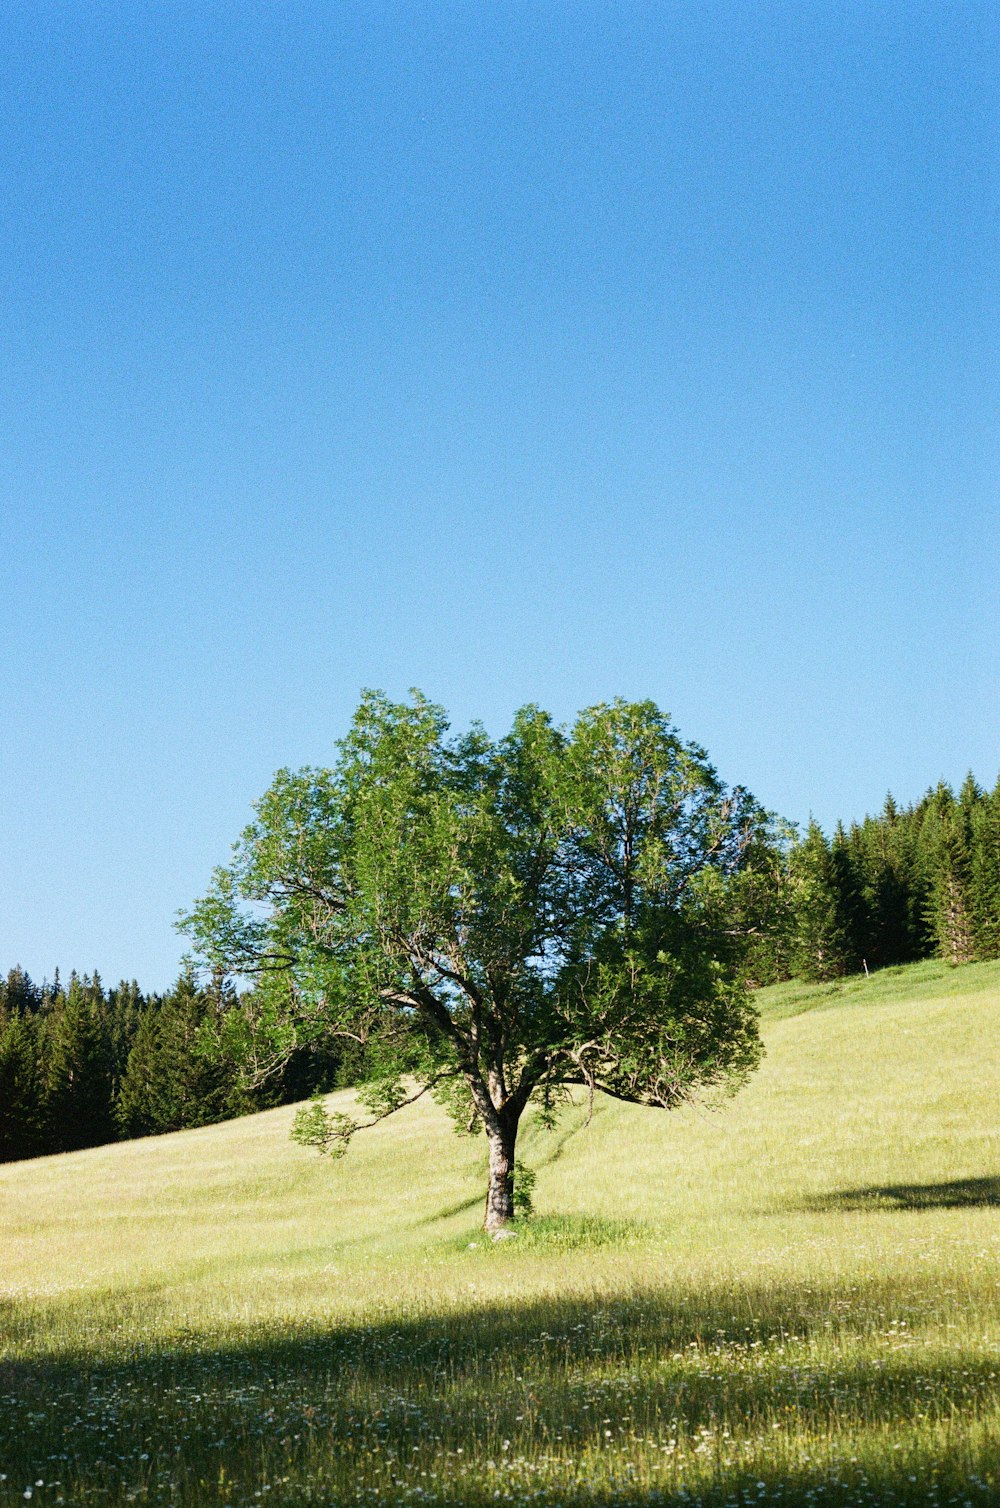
point(503, 917)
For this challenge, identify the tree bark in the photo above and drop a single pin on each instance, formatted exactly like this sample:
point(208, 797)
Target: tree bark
point(500, 1192)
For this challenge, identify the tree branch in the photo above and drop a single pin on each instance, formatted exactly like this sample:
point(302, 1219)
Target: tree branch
point(446, 1073)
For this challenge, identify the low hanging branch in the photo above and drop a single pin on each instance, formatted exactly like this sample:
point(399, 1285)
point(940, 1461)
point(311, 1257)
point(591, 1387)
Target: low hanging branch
point(314, 1126)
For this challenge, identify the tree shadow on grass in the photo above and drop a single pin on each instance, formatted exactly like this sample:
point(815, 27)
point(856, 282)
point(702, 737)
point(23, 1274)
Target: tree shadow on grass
point(956, 1193)
point(456, 1396)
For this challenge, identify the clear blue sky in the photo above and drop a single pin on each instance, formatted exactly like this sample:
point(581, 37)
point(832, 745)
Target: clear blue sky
point(517, 352)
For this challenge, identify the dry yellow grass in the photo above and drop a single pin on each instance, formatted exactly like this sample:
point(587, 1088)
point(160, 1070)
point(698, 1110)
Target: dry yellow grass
point(792, 1298)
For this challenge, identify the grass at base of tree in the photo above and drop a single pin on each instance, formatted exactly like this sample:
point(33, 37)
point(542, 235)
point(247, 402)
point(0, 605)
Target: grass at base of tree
point(794, 1299)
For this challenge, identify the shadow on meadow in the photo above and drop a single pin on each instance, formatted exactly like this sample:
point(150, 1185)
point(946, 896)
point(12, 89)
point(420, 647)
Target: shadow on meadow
point(125, 1402)
point(957, 1193)
point(665, 1376)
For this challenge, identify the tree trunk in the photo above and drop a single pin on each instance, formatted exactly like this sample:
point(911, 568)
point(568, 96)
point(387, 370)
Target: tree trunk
point(500, 1193)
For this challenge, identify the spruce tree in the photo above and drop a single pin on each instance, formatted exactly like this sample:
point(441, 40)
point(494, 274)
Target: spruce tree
point(18, 993)
point(79, 1075)
point(134, 1110)
point(946, 841)
point(984, 879)
point(171, 1082)
point(821, 941)
point(881, 882)
point(21, 1131)
point(125, 1008)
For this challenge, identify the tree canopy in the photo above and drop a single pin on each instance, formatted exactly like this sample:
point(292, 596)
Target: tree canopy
point(496, 920)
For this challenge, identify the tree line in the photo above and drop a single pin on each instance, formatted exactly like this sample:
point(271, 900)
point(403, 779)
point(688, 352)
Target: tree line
point(82, 1065)
point(911, 883)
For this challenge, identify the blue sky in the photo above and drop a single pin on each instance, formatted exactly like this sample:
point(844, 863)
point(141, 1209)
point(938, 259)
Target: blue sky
point(515, 352)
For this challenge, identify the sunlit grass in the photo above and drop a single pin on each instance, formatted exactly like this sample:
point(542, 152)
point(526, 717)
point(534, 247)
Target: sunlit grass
point(793, 1298)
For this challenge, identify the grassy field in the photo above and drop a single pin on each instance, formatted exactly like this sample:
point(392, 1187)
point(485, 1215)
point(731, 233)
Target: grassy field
point(793, 1299)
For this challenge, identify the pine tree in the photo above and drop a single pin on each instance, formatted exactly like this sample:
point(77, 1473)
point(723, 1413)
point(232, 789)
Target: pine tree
point(170, 1081)
point(125, 1008)
point(946, 842)
point(79, 1073)
point(821, 945)
point(21, 1131)
point(984, 880)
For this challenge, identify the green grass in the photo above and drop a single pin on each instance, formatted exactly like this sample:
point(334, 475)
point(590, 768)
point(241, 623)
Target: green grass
point(791, 1299)
point(933, 980)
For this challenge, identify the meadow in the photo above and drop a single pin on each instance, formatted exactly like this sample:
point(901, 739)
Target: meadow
point(792, 1298)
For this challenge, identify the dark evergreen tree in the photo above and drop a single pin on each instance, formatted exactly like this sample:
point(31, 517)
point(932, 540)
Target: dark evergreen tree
point(78, 1101)
point(881, 882)
point(18, 993)
point(851, 909)
point(946, 844)
point(171, 1081)
point(984, 879)
point(124, 1009)
point(21, 1128)
point(821, 945)
point(134, 1110)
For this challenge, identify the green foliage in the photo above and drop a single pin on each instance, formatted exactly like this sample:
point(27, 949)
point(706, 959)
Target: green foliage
point(21, 1124)
point(984, 875)
point(315, 1127)
point(821, 946)
point(524, 1190)
point(79, 1078)
point(800, 1291)
point(454, 1095)
point(946, 839)
point(80, 1066)
point(172, 1078)
point(58, 1063)
point(556, 907)
point(382, 1097)
point(911, 883)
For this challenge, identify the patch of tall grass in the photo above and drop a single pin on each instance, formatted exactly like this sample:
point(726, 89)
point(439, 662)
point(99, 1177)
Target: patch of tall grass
point(791, 1299)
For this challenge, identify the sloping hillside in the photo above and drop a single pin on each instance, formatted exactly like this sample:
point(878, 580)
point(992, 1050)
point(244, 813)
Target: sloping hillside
point(832, 1229)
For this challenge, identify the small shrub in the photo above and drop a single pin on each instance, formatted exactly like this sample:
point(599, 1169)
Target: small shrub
point(524, 1189)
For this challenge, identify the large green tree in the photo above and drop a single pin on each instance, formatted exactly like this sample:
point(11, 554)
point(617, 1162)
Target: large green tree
point(496, 920)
